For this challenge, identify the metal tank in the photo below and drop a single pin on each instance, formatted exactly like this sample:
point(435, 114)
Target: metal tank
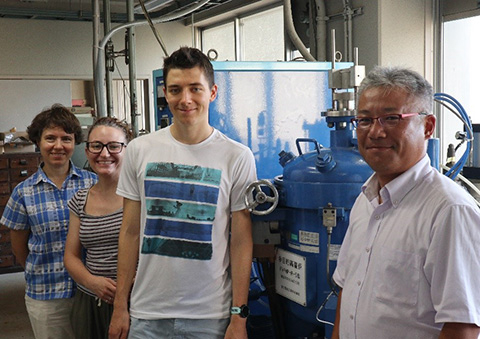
point(317, 191)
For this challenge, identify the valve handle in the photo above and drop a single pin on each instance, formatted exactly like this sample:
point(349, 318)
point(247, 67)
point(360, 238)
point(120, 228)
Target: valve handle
point(254, 196)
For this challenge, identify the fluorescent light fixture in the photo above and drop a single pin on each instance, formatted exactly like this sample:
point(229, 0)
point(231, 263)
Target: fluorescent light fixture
point(152, 5)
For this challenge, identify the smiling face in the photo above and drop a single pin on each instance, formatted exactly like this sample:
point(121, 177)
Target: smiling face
point(392, 151)
point(189, 95)
point(56, 147)
point(105, 163)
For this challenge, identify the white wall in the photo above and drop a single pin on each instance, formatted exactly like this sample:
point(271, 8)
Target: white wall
point(63, 49)
point(40, 50)
point(402, 33)
point(21, 100)
point(389, 32)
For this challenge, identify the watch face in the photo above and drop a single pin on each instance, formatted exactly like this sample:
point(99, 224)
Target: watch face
point(245, 311)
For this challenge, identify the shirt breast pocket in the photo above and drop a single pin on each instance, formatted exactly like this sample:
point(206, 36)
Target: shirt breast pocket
point(398, 275)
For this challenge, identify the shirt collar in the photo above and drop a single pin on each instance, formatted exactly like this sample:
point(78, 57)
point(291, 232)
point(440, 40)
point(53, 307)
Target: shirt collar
point(73, 171)
point(398, 188)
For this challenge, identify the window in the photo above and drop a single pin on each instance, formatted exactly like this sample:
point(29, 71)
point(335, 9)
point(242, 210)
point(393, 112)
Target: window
point(461, 71)
point(262, 38)
point(258, 37)
point(222, 40)
point(461, 66)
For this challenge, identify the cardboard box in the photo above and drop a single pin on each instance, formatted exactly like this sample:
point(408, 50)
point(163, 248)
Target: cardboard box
point(17, 142)
point(18, 148)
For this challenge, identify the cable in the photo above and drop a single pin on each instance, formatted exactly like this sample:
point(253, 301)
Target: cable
point(439, 97)
point(468, 183)
point(320, 309)
point(329, 279)
point(456, 113)
point(150, 23)
point(458, 166)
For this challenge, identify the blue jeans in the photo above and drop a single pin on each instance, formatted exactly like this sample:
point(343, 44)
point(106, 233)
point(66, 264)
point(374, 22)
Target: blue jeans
point(178, 328)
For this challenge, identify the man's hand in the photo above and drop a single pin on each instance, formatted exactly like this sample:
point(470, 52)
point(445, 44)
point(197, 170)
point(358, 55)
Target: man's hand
point(120, 324)
point(237, 329)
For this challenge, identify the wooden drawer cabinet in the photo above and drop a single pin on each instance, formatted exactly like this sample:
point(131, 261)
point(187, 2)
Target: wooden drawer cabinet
point(14, 168)
point(4, 187)
point(3, 175)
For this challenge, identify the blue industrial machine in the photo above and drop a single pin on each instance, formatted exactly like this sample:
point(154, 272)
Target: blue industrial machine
point(315, 195)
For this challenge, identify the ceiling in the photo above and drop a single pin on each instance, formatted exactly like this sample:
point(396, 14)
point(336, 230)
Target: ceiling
point(81, 10)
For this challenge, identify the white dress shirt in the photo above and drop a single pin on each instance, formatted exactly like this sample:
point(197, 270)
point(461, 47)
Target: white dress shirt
point(412, 263)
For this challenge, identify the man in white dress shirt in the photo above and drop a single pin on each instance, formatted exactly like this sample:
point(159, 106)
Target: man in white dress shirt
point(409, 265)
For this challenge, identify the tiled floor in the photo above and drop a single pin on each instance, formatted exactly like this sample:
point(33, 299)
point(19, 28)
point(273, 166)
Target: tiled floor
point(14, 323)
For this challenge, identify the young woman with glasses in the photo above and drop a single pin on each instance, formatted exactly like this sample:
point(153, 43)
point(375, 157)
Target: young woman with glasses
point(92, 241)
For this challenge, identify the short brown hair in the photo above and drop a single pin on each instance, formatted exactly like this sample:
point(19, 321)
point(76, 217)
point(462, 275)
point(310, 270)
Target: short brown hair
point(55, 116)
point(186, 58)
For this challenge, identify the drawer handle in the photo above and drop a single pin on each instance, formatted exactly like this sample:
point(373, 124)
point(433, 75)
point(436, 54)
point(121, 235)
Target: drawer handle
point(24, 173)
point(23, 161)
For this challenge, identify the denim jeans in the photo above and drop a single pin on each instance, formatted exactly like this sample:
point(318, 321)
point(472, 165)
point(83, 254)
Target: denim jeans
point(178, 328)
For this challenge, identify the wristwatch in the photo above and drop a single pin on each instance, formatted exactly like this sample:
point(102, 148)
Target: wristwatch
point(243, 311)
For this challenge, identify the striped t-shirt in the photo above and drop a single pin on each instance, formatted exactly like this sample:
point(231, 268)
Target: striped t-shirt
point(99, 237)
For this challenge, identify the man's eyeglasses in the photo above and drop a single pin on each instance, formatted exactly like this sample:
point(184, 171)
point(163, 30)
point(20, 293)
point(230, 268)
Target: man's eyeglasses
point(113, 147)
point(386, 121)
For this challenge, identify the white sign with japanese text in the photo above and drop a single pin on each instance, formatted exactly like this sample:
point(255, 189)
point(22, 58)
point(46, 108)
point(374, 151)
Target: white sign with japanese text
point(290, 276)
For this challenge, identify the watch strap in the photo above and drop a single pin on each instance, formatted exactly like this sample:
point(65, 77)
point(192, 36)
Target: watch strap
point(243, 311)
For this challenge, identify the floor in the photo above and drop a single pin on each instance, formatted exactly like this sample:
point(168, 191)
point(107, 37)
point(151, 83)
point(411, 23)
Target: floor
point(14, 323)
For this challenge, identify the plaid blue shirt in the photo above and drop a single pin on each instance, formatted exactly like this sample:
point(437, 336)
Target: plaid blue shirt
point(36, 204)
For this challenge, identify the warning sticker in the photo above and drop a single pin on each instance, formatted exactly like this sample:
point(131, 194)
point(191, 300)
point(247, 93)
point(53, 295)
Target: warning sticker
point(309, 238)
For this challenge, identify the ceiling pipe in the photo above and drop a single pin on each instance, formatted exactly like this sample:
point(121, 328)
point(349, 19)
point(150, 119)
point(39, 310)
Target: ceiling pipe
point(132, 70)
point(321, 35)
point(100, 66)
point(107, 26)
point(96, 34)
point(292, 33)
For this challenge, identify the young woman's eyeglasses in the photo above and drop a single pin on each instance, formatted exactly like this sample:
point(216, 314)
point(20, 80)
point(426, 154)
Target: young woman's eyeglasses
point(113, 147)
point(389, 120)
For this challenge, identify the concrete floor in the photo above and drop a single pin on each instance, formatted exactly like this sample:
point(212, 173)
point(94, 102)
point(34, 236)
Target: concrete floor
point(14, 322)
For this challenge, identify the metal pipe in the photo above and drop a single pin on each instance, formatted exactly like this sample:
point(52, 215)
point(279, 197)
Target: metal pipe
point(348, 30)
point(107, 26)
point(334, 102)
point(238, 44)
point(321, 36)
point(290, 28)
point(132, 70)
point(100, 66)
point(96, 34)
point(350, 35)
point(333, 47)
point(345, 37)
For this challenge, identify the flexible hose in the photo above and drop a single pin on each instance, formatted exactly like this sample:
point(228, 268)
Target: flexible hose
point(455, 170)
